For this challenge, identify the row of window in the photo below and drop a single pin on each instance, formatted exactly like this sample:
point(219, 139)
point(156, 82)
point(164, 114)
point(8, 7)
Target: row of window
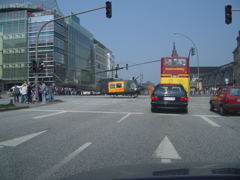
point(14, 43)
point(14, 58)
point(34, 27)
point(12, 27)
point(14, 73)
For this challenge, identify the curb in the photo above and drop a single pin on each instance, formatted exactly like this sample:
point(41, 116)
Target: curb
point(13, 108)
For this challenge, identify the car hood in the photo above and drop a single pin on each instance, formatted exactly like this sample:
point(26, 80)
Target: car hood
point(162, 171)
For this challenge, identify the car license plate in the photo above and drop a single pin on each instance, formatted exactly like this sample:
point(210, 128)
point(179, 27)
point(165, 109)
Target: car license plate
point(238, 100)
point(169, 98)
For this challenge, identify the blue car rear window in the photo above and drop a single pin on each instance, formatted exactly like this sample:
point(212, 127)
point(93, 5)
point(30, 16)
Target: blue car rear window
point(168, 89)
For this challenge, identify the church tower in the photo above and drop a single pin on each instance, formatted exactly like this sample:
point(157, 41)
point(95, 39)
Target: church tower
point(174, 51)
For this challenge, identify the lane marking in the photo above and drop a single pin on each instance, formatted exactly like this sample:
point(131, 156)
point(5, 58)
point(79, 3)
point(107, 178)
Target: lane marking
point(120, 120)
point(107, 112)
point(209, 121)
point(39, 117)
point(16, 141)
point(166, 151)
point(162, 114)
point(57, 166)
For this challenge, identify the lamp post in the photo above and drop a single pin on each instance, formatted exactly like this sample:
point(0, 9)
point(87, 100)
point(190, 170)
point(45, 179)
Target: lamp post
point(196, 53)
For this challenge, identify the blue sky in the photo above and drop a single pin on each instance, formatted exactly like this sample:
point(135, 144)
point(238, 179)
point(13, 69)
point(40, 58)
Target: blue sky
point(142, 30)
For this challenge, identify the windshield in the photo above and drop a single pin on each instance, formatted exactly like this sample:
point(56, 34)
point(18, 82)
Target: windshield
point(174, 62)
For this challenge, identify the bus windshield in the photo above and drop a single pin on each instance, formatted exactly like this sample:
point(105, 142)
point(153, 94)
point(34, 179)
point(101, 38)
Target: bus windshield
point(174, 62)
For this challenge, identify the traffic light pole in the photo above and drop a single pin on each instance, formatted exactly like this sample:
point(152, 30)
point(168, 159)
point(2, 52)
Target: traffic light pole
point(196, 53)
point(37, 37)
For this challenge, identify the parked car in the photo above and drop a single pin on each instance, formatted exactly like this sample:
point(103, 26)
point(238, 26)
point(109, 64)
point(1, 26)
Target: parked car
point(226, 99)
point(86, 93)
point(169, 96)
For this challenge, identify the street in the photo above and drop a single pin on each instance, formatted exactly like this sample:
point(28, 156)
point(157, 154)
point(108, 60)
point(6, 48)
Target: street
point(85, 133)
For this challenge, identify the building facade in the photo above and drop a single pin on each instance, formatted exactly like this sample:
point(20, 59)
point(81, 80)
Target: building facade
point(236, 62)
point(68, 51)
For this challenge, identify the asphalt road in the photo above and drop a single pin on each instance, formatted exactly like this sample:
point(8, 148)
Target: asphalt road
point(85, 133)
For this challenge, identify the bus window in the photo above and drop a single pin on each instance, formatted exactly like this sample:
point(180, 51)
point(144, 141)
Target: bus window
point(174, 62)
point(112, 86)
point(119, 85)
point(167, 62)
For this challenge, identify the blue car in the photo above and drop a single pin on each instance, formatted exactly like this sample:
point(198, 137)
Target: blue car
point(170, 97)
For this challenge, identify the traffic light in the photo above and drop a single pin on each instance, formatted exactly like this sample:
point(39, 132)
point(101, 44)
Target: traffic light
point(40, 66)
point(108, 9)
point(33, 66)
point(126, 66)
point(228, 14)
point(30, 66)
point(193, 51)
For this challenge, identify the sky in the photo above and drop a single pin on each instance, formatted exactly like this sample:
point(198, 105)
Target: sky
point(142, 30)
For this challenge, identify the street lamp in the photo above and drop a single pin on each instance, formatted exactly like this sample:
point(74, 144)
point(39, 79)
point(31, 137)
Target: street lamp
point(196, 52)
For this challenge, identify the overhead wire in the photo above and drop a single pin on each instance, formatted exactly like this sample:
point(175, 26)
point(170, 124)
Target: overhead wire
point(129, 66)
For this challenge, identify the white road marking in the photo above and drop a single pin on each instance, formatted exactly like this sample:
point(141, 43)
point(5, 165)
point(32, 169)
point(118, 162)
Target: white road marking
point(166, 151)
point(16, 141)
point(112, 112)
point(120, 120)
point(64, 161)
point(39, 117)
point(209, 121)
point(162, 114)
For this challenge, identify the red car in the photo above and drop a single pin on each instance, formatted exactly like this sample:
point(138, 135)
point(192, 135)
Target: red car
point(226, 99)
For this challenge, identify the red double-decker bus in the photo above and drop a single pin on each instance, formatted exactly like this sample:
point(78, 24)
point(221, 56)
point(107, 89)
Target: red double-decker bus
point(175, 70)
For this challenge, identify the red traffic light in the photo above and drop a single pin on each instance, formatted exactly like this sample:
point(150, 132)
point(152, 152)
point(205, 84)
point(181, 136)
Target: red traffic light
point(228, 14)
point(108, 9)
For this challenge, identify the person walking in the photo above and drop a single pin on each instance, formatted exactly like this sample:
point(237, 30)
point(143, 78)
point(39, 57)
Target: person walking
point(39, 92)
point(150, 89)
point(29, 93)
point(24, 93)
point(51, 92)
point(43, 91)
point(16, 93)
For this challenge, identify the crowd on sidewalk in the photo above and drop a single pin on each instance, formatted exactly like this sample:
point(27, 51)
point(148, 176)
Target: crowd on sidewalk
point(203, 91)
point(26, 92)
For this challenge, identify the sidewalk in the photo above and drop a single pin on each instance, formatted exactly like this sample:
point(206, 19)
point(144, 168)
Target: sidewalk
point(5, 99)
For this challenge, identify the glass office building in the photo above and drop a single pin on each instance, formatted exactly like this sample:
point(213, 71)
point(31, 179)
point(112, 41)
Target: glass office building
point(64, 47)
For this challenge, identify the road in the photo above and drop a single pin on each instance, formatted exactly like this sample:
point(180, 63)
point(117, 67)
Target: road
point(85, 133)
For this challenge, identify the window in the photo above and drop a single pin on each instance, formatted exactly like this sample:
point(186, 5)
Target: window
point(234, 92)
point(119, 85)
point(112, 86)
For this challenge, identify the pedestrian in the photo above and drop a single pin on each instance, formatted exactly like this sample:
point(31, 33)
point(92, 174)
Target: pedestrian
point(51, 92)
point(24, 93)
point(39, 92)
point(43, 91)
point(150, 89)
point(16, 93)
point(29, 93)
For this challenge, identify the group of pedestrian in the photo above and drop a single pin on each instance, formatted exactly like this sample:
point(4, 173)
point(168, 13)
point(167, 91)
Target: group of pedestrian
point(27, 92)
